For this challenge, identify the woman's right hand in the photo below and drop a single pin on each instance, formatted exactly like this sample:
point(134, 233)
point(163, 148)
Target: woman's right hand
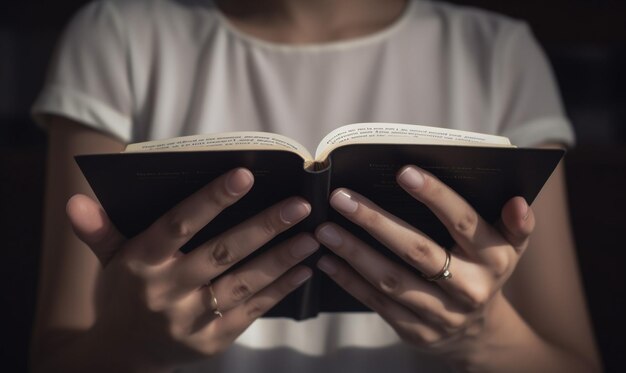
point(154, 308)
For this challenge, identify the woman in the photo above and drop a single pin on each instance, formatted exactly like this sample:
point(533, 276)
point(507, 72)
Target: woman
point(139, 70)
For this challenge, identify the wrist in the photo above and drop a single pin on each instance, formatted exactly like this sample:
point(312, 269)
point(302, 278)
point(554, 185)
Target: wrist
point(492, 332)
point(507, 343)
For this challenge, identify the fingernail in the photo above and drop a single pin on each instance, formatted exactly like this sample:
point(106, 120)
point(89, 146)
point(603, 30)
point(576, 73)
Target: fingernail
point(294, 210)
point(239, 181)
point(301, 276)
point(303, 247)
point(327, 265)
point(329, 236)
point(343, 202)
point(411, 178)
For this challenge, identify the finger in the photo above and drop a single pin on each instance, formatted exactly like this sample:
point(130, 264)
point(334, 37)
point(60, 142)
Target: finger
point(408, 324)
point(472, 282)
point(220, 253)
point(408, 242)
point(237, 286)
point(93, 227)
point(393, 280)
point(221, 332)
point(475, 237)
point(242, 283)
point(517, 223)
point(171, 231)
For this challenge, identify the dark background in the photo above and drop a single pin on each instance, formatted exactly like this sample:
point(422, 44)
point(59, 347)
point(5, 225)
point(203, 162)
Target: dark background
point(585, 41)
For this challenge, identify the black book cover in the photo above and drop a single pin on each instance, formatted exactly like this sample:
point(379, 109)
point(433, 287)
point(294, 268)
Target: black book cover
point(136, 188)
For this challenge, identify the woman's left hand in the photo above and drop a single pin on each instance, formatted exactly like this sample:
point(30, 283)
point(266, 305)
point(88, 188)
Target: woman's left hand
point(447, 316)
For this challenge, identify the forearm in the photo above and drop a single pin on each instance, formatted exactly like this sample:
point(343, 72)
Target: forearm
point(509, 344)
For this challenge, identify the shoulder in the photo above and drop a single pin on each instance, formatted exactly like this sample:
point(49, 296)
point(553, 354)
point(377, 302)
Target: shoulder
point(150, 7)
point(467, 26)
point(130, 16)
point(470, 18)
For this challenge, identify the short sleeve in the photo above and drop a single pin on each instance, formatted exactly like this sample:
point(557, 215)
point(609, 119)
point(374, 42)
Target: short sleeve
point(88, 78)
point(527, 107)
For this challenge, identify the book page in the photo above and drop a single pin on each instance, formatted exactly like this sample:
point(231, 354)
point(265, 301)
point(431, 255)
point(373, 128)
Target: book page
point(396, 133)
point(223, 141)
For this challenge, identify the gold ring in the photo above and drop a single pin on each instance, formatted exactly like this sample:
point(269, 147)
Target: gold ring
point(214, 305)
point(444, 274)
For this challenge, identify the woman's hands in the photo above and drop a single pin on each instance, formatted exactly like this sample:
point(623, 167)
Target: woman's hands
point(449, 317)
point(154, 308)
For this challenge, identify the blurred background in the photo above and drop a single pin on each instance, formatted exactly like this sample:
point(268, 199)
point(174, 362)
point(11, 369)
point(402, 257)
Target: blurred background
point(585, 41)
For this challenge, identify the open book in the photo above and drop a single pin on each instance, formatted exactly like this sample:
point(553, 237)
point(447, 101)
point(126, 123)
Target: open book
point(137, 186)
point(359, 133)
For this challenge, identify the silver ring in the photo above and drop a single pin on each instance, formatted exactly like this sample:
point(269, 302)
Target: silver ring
point(445, 273)
point(214, 305)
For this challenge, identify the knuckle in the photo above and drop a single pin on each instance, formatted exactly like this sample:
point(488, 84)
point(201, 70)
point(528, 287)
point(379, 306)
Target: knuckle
point(269, 227)
point(349, 248)
point(137, 275)
point(241, 289)
point(433, 189)
point(372, 220)
point(131, 265)
point(222, 254)
point(285, 259)
point(429, 338)
point(391, 283)
point(475, 328)
point(500, 264)
point(452, 323)
point(466, 223)
point(177, 226)
point(418, 336)
point(418, 253)
point(255, 309)
point(477, 297)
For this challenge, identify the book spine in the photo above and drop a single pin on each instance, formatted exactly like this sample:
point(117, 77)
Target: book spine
point(316, 191)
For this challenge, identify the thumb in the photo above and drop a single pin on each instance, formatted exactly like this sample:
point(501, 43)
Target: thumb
point(517, 223)
point(91, 224)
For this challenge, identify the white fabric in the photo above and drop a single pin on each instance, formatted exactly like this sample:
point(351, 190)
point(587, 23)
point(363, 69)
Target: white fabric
point(143, 70)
